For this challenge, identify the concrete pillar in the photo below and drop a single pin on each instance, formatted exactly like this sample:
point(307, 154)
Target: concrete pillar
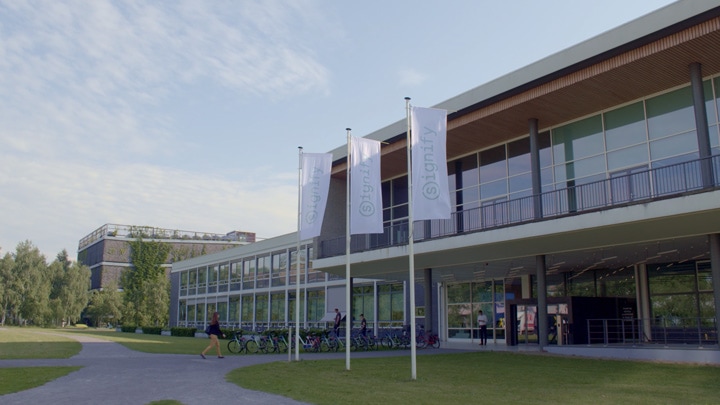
point(714, 240)
point(535, 167)
point(542, 320)
point(642, 296)
point(429, 308)
point(703, 133)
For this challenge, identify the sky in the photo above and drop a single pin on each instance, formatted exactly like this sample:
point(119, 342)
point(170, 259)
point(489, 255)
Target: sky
point(188, 115)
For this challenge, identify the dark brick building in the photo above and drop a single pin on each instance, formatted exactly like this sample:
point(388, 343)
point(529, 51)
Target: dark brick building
point(107, 249)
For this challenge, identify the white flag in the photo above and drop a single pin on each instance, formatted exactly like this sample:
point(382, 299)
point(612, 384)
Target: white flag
point(431, 196)
point(365, 191)
point(314, 192)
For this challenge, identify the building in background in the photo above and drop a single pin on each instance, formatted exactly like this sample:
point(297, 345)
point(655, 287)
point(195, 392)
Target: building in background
point(107, 249)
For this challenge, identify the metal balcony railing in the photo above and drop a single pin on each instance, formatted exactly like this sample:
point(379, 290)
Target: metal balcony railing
point(663, 330)
point(149, 232)
point(627, 189)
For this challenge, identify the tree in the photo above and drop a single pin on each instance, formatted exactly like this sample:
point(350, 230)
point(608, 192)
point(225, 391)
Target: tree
point(30, 271)
point(145, 285)
point(70, 289)
point(9, 296)
point(105, 305)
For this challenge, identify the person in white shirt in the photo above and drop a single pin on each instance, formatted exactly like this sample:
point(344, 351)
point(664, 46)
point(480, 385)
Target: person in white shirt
point(482, 324)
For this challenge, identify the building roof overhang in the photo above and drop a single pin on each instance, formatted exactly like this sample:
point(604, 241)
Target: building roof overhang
point(637, 59)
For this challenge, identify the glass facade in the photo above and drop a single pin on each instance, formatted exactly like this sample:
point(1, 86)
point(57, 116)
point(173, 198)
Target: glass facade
point(253, 291)
point(619, 144)
point(390, 305)
point(465, 300)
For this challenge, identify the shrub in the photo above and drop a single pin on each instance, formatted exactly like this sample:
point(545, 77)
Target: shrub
point(128, 328)
point(152, 330)
point(185, 332)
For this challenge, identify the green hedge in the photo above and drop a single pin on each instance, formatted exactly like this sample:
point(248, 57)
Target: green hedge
point(128, 328)
point(185, 332)
point(152, 330)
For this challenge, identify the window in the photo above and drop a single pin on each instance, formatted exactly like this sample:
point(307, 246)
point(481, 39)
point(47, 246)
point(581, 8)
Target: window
point(363, 302)
point(316, 305)
point(261, 309)
point(235, 276)
point(262, 280)
point(248, 274)
point(625, 127)
point(212, 279)
point(248, 309)
point(234, 309)
point(202, 280)
point(277, 307)
point(670, 113)
point(279, 268)
point(223, 277)
point(578, 140)
point(183, 283)
point(391, 310)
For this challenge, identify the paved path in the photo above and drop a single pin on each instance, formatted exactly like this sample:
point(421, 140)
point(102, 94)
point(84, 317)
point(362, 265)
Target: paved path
point(113, 374)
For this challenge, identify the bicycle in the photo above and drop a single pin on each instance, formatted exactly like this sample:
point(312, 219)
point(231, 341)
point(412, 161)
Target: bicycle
point(329, 343)
point(424, 340)
point(238, 343)
point(311, 343)
point(388, 340)
point(276, 345)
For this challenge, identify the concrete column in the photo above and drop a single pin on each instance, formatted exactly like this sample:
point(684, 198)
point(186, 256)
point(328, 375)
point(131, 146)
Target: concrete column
point(429, 308)
point(642, 296)
point(703, 133)
point(542, 320)
point(714, 240)
point(535, 167)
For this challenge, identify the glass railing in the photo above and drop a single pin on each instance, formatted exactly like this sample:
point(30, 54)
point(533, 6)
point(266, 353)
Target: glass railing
point(661, 330)
point(634, 188)
point(148, 232)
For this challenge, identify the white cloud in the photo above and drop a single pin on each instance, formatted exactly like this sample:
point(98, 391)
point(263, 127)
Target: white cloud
point(83, 118)
point(55, 203)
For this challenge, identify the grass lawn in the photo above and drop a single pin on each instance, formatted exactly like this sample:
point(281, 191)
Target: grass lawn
point(485, 377)
point(17, 379)
point(36, 343)
point(152, 343)
point(470, 377)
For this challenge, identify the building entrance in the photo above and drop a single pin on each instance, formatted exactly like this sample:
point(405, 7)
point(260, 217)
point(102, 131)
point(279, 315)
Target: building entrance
point(569, 319)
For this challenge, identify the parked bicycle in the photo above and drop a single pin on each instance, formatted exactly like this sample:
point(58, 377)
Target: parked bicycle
point(276, 344)
point(238, 343)
point(424, 340)
point(329, 343)
point(311, 343)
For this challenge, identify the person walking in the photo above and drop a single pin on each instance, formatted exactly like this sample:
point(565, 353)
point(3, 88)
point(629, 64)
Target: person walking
point(482, 324)
point(213, 331)
point(363, 325)
point(338, 319)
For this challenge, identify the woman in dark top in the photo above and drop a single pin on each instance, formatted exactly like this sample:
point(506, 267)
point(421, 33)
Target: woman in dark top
point(214, 333)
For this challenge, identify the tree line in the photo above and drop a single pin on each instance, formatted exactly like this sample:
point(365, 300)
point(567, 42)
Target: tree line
point(33, 292)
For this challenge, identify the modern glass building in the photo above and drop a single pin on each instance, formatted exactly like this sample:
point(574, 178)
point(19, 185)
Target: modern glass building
point(586, 194)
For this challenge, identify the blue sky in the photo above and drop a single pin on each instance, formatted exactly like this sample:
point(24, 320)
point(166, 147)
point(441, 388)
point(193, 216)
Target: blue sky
point(188, 114)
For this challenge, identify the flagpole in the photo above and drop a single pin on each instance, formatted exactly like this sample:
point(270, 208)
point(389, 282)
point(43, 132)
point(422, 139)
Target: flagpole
point(297, 259)
point(348, 325)
point(411, 253)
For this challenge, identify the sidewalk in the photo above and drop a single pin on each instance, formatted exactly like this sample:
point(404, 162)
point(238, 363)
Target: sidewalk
point(649, 352)
point(112, 374)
